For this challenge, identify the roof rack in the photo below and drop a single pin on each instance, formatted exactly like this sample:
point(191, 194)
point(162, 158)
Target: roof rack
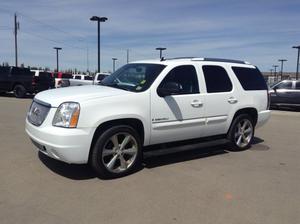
point(220, 60)
point(208, 59)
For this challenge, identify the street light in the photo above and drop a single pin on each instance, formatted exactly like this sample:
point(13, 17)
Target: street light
point(275, 66)
point(297, 71)
point(114, 63)
point(160, 49)
point(57, 49)
point(281, 70)
point(98, 19)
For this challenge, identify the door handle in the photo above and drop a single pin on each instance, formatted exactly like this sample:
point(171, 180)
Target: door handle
point(232, 100)
point(196, 103)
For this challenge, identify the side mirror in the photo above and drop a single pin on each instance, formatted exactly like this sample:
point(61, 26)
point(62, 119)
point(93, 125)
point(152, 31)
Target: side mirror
point(170, 88)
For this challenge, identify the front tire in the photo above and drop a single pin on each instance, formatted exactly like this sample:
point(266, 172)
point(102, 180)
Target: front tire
point(19, 91)
point(241, 132)
point(117, 152)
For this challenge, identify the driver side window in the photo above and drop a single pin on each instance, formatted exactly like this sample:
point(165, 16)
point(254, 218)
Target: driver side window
point(185, 77)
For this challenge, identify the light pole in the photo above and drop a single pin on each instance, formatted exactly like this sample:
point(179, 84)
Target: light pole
point(281, 70)
point(271, 71)
point(98, 19)
point(275, 66)
point(160, 49)
point(57, 49)
point(114, 63)
point(297, 71)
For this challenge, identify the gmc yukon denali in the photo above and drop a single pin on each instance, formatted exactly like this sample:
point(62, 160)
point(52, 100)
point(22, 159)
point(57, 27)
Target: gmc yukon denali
point(147, 103)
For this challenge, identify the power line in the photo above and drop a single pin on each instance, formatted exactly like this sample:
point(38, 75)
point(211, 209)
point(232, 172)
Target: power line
point(54, 41)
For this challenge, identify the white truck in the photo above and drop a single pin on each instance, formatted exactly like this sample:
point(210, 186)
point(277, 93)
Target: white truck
point(80, 80)
point(148, 103)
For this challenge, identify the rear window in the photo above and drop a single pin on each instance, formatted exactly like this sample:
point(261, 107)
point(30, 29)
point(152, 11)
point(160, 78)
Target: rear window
point(250, 78)
point(298, 85)
point(216, 79)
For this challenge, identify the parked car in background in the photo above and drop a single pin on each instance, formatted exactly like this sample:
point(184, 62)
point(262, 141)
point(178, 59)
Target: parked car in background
point(149, 103)
point(80, 80)
point(62, 79)
point(42, 80)
point(18, 80)
point(285, 93)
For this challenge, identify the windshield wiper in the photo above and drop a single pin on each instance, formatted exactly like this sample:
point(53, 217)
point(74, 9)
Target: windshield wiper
point(114, 85)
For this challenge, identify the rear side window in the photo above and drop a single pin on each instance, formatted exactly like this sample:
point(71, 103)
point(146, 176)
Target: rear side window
point(298, 85)
point(216, 79)
point(77, 77)
point(88, 78)
point(250, 78)
point(4, 69)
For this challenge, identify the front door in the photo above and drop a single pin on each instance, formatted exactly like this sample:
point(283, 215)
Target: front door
point(181, 115)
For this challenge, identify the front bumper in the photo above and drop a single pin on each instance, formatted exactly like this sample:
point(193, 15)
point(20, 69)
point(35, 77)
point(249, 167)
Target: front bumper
point(263, 117)
point(70, 145)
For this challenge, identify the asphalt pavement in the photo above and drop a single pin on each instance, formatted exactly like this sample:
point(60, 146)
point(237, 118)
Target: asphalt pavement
point(206, 184)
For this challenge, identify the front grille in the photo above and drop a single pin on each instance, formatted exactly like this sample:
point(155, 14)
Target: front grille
point(38, 112)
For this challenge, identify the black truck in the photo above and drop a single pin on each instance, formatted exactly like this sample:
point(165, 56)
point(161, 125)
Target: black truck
point(22, 81)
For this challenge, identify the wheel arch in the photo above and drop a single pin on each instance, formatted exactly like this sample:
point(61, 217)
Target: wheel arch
point(135, 123)
point(251, 111)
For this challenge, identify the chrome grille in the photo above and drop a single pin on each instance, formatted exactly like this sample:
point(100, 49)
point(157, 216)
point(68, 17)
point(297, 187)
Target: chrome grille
point(38, 112)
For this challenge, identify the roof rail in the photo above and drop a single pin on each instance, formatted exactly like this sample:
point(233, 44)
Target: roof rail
point(220, 60)
point(208, 59)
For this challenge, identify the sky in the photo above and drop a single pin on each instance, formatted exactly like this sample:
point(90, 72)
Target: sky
point(258, 31)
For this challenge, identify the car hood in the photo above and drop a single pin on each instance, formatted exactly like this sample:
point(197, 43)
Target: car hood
point(77, 94)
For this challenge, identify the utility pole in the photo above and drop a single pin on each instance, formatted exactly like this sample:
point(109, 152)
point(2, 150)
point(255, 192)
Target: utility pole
point(297, 71)
point(281, 70)
point(127, 56)
point(275, 66)
point(17, 27)
point(57, 49)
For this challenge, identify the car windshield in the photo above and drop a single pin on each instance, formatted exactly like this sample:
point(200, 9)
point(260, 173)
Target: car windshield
point(133, 77)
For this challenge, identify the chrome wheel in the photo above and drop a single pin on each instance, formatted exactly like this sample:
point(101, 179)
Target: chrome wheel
point(119, 152)
point(243, 133)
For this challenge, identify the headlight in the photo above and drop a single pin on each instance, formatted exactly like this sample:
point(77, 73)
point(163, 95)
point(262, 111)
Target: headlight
point(67, 115)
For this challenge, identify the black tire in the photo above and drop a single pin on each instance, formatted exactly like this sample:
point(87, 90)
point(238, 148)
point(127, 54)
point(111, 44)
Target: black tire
point(234, 132)
point(19, 91)
point(97, 161)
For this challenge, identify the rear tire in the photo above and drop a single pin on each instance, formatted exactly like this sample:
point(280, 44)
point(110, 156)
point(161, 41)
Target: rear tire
point(19, 91)
point(117, 152)
point(241, 132)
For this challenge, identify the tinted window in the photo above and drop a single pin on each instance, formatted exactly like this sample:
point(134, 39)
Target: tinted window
point(88, 78)
point(77, 77)
point(250, 78)
point(216, 79)
point(185, 76)
point(298, 85)
point(285, 85)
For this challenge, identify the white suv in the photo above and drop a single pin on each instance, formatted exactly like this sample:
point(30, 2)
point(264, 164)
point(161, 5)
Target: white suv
point(146, 103)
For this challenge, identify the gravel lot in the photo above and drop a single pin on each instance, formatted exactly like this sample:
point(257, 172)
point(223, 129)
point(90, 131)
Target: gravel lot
point(208, 184)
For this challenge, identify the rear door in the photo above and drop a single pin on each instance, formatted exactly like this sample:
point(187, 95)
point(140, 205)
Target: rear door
point(220, 98)
point(179, 116)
